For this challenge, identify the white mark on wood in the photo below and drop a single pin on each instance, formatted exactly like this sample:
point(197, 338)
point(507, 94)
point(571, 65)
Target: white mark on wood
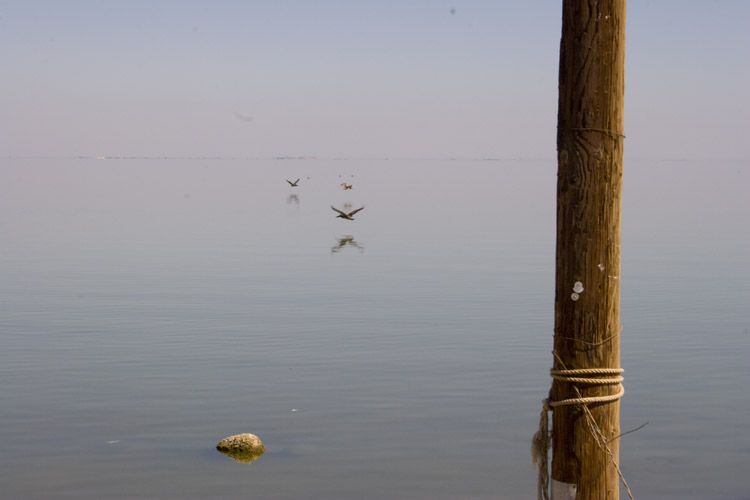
point(563, 491)
point(601, 267)
point(578, 287)
point(574, 296)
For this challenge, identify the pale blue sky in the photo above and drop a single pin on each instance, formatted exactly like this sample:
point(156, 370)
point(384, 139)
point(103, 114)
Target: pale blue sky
point(354, 79)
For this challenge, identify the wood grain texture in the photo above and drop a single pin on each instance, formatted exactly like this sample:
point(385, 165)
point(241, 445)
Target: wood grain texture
point(589, 190)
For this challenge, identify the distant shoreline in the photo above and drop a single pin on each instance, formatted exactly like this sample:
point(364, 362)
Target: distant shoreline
point(269, 158)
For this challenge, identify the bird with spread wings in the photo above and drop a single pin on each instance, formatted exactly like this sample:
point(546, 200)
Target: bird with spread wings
point(344, 215)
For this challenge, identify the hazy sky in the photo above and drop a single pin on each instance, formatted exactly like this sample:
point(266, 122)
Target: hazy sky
point(348, 78)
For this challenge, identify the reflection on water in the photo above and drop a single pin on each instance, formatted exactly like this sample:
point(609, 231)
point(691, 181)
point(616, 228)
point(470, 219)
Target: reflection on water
point(132, 313)
point(243, 457)
point(346, 241)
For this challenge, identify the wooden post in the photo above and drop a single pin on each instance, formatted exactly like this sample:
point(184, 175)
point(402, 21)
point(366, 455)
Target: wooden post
point(587, 273)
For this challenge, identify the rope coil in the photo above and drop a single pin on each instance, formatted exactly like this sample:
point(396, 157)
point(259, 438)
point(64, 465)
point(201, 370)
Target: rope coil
point(541, 441)
point(572, 376)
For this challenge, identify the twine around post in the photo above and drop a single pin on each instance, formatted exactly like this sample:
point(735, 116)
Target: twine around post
point(540, 443)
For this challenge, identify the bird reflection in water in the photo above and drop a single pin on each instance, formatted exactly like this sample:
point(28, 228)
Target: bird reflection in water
point(346, 241)
point(293, 198)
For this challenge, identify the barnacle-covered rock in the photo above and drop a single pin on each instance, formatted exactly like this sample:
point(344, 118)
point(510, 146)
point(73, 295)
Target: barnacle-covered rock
point(243, 448)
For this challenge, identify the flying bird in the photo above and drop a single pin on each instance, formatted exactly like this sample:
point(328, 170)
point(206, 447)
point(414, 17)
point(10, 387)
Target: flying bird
point(345, 185)
point(344, 215)
point(293, 184)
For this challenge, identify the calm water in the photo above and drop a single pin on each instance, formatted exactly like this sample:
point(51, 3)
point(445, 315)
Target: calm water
point(149, 309)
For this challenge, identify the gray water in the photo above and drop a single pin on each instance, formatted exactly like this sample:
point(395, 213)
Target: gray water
point(150, 308)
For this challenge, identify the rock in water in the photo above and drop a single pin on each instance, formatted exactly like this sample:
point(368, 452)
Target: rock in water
point(243, 448)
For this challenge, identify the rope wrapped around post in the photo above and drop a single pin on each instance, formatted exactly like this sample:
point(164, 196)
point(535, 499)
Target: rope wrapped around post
point(578, 377)
point(540, 443)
